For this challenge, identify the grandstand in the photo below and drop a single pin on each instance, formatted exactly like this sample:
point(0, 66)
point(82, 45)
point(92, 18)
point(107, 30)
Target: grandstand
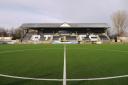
point(65, 32)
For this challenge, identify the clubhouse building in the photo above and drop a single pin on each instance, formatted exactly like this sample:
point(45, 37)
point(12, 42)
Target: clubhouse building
point(69, 33)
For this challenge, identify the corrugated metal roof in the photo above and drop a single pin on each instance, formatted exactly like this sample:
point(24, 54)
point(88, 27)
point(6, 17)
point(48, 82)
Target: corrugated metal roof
point(74, 25)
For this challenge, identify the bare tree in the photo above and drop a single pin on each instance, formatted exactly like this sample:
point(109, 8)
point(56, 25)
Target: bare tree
point(16, 33)
point(3, 32)
point(120, 22)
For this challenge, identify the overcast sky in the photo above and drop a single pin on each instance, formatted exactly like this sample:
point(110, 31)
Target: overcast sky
point(15, 12)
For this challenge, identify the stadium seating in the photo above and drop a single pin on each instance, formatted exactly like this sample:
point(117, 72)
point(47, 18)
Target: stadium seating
point(71, 38)
point(27, 37)
point(35, 37)
point(104, 38)
point(56, 38)
point(42, 38)
point(94, 38)
point(48, 37)
point(84, 38)
point(87, 39)
point(66, 38)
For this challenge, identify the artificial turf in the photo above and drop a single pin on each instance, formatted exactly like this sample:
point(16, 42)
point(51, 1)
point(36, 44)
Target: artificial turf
point(96, 61)
point(36, 61)
point(46, 61)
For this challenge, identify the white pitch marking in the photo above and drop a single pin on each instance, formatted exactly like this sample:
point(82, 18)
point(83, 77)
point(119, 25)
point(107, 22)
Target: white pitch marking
point(64, 69)
point(28, 78)
point(96, 79)
point(43, 79)
point(64, 73)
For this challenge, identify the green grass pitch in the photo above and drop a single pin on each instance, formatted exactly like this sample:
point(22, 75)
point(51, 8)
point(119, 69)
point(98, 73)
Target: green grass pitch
point(46, 61)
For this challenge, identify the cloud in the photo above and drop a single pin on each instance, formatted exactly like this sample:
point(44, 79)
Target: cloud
point(15, 12)
point(13, 18)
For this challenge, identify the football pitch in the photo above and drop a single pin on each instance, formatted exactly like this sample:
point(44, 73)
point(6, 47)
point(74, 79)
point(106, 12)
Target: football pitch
point(105, 64)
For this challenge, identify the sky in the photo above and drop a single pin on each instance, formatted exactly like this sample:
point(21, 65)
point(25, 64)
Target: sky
point(15, 12)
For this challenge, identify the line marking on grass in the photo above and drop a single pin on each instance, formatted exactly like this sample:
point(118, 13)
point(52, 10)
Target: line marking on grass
point(28, 78)
point(102, 78)
point(64, 69)
point(43, 79)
